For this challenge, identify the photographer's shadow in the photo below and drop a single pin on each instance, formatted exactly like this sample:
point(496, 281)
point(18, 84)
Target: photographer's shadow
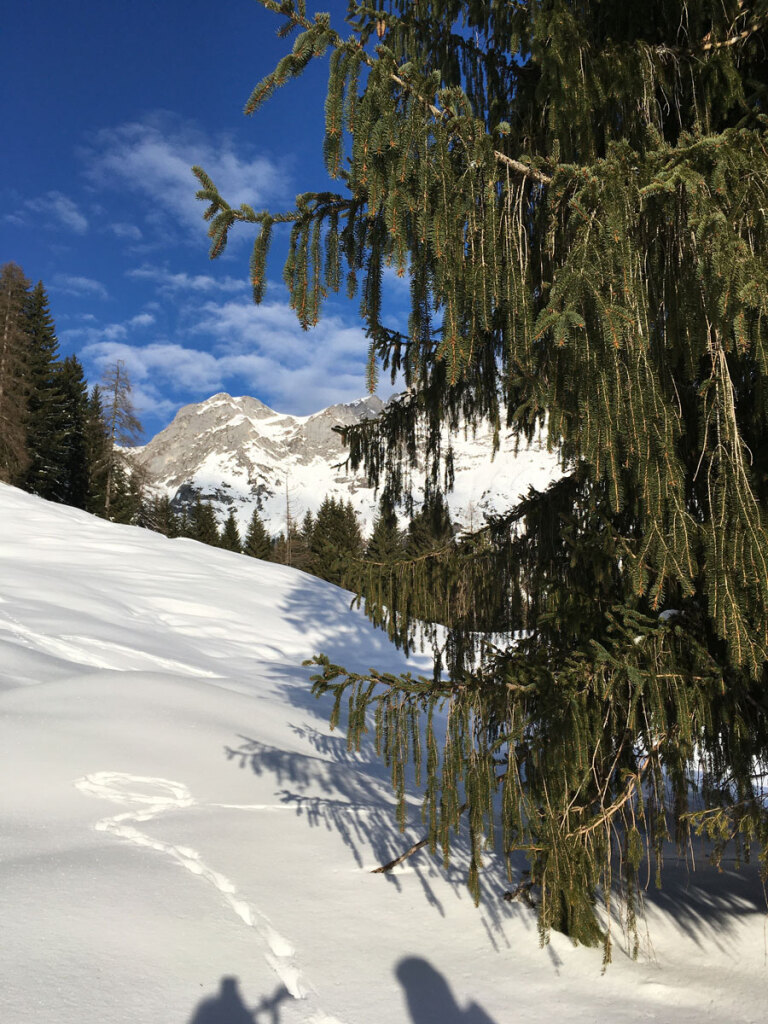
point(429, 997)
point(227, 1007)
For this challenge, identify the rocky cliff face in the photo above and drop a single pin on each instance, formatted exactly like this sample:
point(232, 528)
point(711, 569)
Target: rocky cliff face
point(239, 452)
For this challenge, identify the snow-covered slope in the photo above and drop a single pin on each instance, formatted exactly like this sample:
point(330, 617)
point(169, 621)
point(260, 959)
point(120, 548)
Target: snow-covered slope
point(184, 841)
point(238, 452)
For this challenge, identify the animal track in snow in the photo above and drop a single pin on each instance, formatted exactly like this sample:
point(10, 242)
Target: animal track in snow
point(149, 797)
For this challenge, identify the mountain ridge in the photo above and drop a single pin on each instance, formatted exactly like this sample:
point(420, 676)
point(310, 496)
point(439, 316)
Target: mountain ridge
point(238, 453)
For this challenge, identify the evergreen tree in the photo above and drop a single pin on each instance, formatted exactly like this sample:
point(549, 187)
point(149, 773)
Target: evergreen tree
point(98, 453)
point(74, 391)
point(47, 419)
point(431, 528)
point(184, 523)
point(336, 541)
point(280, 550)
point(385, 543)
point(202, 526)
point(127, 489)
point(161, 518)
point(123, 428)
point(301, 543)
point(230, 534)
point(14, 456)
point(257, 543)
point(578, 192)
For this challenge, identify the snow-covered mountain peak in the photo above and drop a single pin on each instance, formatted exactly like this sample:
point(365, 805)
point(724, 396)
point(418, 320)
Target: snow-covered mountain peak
point(237, 452)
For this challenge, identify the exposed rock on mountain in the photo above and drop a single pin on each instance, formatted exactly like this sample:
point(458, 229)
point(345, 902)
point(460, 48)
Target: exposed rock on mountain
point(238, 450)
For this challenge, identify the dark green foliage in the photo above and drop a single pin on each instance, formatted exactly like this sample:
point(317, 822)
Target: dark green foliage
point(230, 534)
point(127, 495)
point(257, 543)
point(280, 551)
point(47, 415)
point(336, 541)
point(157, 514)
point(74, 392)
point(430, 529)
point(202, 524)
point(385, 545)
point(184, 523)
point(98, 453)
point(54, 439)
point(579, 195)
point(301, 556)
point(14, 457)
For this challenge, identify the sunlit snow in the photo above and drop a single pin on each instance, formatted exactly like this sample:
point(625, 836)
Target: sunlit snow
point(185, 841)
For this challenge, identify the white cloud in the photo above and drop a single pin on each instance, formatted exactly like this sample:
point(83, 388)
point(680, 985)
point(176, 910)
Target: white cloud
point(160, 362)
point(167, 281)
point(245, 349)
point(141, 320)
point(61, 208)
point(130, 232)
point(71, 284)
point(92, 335)
point(106, 333)
point(153, 159)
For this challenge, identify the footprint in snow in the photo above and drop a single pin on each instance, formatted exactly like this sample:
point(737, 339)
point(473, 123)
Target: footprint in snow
point(149, 797)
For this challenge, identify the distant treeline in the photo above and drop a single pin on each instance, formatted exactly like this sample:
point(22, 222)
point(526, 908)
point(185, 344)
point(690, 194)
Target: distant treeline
point(329, 544)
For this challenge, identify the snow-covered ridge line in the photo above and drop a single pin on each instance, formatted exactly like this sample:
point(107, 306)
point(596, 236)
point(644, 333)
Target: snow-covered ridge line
point(239, 453)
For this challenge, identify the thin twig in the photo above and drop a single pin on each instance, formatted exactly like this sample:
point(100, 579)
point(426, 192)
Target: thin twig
point(409, 852)
point(399, 860)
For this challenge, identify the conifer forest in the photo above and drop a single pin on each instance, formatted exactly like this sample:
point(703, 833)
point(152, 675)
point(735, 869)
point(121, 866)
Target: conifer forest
point(577, 193)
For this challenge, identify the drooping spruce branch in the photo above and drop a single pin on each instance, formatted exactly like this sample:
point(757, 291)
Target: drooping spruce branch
point(578, 199)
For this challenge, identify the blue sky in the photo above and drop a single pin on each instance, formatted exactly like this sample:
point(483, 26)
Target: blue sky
point(107, 104)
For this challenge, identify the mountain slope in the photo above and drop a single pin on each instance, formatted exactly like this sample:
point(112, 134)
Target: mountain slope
point(239, 452)
point(183, 837)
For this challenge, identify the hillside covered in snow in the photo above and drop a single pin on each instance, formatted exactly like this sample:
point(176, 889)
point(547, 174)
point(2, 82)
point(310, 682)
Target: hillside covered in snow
point(185, 841)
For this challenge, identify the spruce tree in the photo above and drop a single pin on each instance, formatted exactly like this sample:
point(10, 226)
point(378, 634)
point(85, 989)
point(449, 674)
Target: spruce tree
point(161, 517)
point(98, 451)
point(301, 543)
point(14, 455)
point(127, 494)
point(336, 541)
point(430, 529)
point(385, 543)
point(257, 543)
point(71, 385)
point(202, 524)
point(230, 534)
point(47, 419)
point(578, 192)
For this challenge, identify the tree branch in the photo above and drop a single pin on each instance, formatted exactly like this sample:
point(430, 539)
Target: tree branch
point(335, 40)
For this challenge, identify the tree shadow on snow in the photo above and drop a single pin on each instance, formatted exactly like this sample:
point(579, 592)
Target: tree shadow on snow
point(227, 1006)
point(429, 997)
point(349, 793)
point(707, 903)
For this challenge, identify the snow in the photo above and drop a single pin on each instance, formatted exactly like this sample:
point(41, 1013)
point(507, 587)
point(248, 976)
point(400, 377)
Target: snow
point(244, 461)
point(184, 838)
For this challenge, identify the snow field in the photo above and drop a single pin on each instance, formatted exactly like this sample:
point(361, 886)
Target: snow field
point(184, 839)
